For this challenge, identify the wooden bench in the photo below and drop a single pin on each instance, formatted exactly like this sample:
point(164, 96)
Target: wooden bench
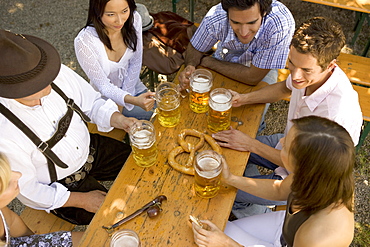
point(357, 69)
point(41, 222)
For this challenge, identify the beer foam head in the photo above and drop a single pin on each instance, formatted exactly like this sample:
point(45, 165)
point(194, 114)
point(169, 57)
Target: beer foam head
point(208, 167)
point(201, 84)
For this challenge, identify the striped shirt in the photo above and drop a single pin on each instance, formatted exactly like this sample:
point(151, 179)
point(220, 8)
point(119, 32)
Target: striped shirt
point(269, 48)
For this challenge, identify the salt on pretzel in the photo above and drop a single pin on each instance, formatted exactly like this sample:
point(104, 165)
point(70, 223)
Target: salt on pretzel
point(188, 168)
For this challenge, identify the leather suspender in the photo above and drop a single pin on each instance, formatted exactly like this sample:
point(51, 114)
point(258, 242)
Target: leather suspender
point(45, 147)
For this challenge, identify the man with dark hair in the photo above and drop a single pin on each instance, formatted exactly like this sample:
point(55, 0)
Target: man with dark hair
point(44, 107)
point(316, 86)
point(252, 38)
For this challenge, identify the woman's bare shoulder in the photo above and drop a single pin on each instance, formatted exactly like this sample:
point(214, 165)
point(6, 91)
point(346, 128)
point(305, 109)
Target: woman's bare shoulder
point(328, 227)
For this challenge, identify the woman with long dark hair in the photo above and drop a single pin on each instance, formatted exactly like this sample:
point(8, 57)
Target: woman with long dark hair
point(109, 50)
point(320, 155)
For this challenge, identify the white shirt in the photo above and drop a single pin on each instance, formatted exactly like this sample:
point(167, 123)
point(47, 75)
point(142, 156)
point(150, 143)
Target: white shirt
point(114, 80)
point(73, 149)
point(335, 99)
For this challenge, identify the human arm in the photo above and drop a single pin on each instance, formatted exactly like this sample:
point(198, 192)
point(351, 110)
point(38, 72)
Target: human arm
point(275, 190)
point(248, 75)
point(268, 94)
point(212, 237)
point(144, 100)
point(16, 225)
point(237, 140)
point(192, 60)
point(90, 201)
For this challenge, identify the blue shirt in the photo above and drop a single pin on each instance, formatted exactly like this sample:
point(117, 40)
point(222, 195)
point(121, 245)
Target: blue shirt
point(269, 48)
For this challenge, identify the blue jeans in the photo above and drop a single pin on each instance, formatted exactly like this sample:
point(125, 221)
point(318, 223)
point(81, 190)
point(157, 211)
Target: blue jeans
point(246, 204)
point(138, 112)
point(270, 78)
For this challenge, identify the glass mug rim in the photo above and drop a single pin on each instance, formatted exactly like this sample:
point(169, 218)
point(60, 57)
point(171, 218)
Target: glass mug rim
point(205, 73)
point(223, 91)
point(128, 232)
point(136, 127)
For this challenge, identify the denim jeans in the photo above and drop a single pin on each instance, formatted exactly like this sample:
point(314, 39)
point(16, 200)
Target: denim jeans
point(246, 204)
point(138, 112)
point(270, 78)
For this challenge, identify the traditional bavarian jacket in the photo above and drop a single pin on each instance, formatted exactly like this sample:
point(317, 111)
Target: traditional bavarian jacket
point(35, 188)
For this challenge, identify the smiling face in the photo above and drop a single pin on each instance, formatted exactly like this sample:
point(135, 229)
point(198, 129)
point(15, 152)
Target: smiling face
point(11, 191)
point(115, 15)
point(245, 23)
point(305, 71)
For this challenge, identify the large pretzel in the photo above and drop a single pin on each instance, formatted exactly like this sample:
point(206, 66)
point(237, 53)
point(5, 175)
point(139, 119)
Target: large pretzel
point(188, 168)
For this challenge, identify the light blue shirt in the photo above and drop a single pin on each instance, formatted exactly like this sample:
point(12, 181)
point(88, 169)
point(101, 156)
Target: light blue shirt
point(269, 48)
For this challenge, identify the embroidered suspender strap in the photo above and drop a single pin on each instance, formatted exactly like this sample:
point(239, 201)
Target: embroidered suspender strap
point(42, 146)
point(70, 103)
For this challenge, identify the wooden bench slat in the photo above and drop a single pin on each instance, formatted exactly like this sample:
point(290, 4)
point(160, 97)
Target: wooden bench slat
point(357, 68)
point(41, 222)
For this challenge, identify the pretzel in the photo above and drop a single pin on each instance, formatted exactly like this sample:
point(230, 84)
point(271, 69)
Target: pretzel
point(188, 168)
point(187, 146)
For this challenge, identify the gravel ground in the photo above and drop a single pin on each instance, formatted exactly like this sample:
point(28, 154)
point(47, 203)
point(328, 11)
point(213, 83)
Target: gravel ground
point(59, 22)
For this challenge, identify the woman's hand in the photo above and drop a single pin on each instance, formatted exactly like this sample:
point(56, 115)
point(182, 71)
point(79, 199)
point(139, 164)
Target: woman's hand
point(234, 139)
point(145, 100)
point(213, 237)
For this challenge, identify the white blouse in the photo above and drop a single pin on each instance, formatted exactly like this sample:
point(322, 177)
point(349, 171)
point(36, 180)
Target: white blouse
point(114, 80)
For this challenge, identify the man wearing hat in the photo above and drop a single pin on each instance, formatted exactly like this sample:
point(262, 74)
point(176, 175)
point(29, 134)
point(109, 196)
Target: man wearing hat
point(44, 107)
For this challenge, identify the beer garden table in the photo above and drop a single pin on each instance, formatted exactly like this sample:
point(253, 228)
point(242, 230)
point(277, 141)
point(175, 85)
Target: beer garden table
point(136, 186)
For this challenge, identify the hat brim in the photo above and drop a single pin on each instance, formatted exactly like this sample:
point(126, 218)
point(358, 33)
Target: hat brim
point(41, 80)
point(148, 26)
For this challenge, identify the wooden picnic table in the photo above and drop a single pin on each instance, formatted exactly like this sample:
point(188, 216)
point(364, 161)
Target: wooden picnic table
point(136, 186)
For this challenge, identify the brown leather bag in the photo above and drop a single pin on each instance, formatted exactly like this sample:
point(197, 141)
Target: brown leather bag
point(166, 41)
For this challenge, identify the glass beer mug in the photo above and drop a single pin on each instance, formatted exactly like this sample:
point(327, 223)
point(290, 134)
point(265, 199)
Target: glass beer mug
point(200, 85)
point(207, 175)
point(168, 104)
point(143, 143)
point(219, 114)
point(125, 238)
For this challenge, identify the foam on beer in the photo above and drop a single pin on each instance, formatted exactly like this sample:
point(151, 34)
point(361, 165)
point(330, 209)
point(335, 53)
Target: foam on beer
point(218, 102)
point(207, 166)
point(142, 139)
point(200, 84)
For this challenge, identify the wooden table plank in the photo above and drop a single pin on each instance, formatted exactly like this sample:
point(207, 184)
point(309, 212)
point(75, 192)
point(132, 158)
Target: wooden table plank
point(356, 5)
point(135, 186)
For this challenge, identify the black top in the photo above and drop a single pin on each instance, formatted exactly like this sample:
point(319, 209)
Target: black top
point(292, 222)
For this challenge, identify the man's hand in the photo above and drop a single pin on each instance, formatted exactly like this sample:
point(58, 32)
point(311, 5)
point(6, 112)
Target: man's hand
point(119, 121)
point(184, 77)
point(213, 237)
point(90, 201)
point(234, 139)
point(146, 100)
point(236, 101)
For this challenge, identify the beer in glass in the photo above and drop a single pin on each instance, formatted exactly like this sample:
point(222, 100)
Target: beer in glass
point(200, 85)
point(219, 113)
point(125, 238)
point(168, 104)
point(207, 174)
point(143, 143)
